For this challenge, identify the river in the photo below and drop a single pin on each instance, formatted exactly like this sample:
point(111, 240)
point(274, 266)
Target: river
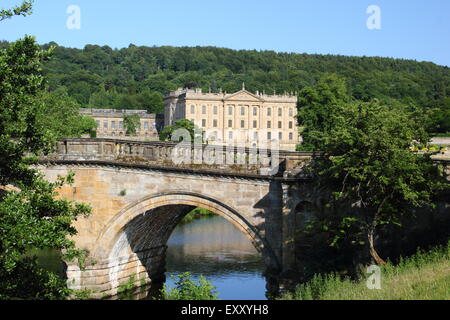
point(216, 249)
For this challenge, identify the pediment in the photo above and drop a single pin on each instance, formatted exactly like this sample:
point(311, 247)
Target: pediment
point(243, 95)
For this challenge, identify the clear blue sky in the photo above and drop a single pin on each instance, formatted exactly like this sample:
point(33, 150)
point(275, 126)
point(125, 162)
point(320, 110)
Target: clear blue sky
point(412, 29)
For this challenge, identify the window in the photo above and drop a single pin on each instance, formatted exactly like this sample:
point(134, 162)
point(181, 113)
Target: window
point(215, 123)
point(255, 135)
point(255, 111)
point(120, 124)
point(290, 135)
point(242, 124)
point(113, 124)
point(269, 124)
point(146, 125)
point(290, 124)
point(280, 124)
point(269, 111)
point(230, 110)
point(255, 124)
point(291, 113)
point(230, 135)
point(242, 111)
point(203, 109)
point(98, 123)
point(105, 124)
point(280, 136)
point(203, 123)
point(230, 123)
point(192, 108)
point(269, 135)
point(280, 112)
point(215, 109)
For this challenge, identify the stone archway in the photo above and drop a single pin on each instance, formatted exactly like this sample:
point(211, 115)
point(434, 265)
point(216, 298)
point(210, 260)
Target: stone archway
point(133, 242)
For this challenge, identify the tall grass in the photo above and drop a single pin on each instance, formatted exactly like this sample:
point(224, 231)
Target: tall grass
point(423, 276)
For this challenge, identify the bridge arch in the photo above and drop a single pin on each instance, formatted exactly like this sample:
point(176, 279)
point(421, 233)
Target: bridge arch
point(134, 241)
point(117, 225)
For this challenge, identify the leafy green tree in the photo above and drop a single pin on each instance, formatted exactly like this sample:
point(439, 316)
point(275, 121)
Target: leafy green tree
point(318, 108)
point(188, 289)
point(151, 101)
point(369, 169)
point(60, 115)
point(131, 123)
point(167, 132)
point(30, 215)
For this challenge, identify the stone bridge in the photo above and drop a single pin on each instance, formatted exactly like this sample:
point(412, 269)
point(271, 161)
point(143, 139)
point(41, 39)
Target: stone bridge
point(139, 193)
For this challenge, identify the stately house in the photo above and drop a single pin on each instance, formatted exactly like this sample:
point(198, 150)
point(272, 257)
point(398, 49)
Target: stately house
point(110, 124)
point(241, 118)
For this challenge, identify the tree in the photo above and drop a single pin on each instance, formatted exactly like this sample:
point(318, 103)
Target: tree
point(30, 215)
point(151, 101)
point(369, 168)
point(60, 115)
point(167, 132)
point(131, 123)
point(188, 289)
point(318, 108)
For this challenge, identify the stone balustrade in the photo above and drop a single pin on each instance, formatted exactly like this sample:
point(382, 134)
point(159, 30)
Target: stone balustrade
point(224, 159)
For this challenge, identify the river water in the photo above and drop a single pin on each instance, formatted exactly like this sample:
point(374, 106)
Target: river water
point(216, 249)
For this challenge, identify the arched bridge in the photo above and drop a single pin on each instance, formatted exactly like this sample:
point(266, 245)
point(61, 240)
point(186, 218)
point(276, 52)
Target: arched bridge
point(139, 194)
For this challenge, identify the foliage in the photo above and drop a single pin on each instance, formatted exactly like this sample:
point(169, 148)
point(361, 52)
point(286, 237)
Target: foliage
point(60, 115)
point(422, 276)
point(368, 166)
point(131, 123)
point(317, 107)
point(188, 289)
point(30, 215)
point(24, 9)
point(197, 213)
point(167, 132)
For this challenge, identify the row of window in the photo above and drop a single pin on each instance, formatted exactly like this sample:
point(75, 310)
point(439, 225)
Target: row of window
point(123, 134)
point(269, 135)
point(242, 111)
point(255, 124)
point(106, 124)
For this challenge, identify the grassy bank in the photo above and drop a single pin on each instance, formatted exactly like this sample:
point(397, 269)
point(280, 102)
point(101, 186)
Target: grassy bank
point(424, 276)
point(197, 213)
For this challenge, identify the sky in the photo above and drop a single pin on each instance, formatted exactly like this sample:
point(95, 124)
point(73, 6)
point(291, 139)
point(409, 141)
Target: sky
point(409, 29)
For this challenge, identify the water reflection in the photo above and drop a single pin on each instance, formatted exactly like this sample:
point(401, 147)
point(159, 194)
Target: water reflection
point(216, 249)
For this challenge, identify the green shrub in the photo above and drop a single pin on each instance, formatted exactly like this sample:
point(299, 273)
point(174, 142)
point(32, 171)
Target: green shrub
point(188, 289)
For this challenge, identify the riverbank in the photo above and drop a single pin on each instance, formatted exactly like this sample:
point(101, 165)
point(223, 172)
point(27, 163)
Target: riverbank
point(423, 276)
point(197, 213)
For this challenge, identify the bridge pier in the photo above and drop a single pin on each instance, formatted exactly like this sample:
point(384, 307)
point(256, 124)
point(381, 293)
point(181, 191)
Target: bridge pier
point(104, 277)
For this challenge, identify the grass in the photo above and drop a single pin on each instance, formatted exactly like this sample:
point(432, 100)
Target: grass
point(197, 213)
point(423, 276)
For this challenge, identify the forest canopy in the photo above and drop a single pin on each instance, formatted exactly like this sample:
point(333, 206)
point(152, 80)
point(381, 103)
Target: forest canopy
point(137, 77)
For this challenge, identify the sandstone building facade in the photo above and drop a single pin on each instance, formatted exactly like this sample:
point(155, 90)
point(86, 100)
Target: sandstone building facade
point(241, 118)
point(110, 124)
